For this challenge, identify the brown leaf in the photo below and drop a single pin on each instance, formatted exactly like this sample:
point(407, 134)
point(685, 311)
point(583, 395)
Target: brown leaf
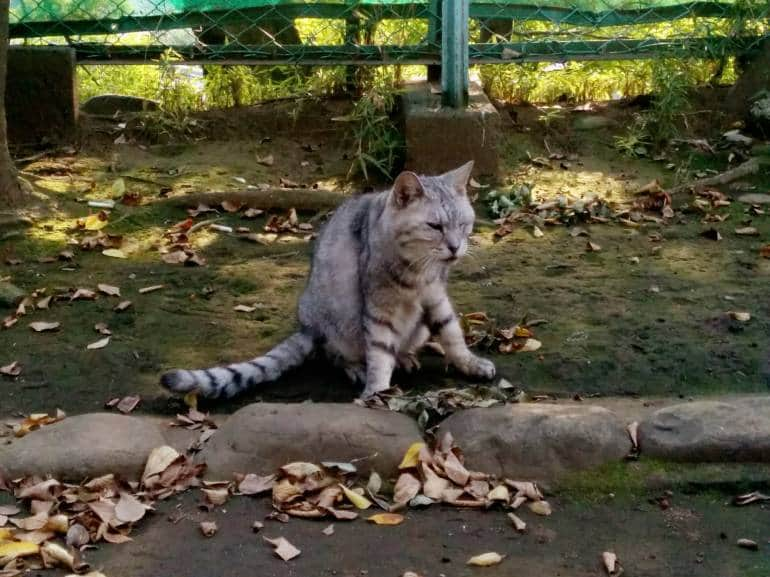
point(31, 523)
point(283, 548)
point(216, 497)
point(434, 486)
point(254, 484)
point(540, 508)
point(406, 488)
point(150, 289)
point(386, 519)
point(160, 459)
point(83, 294)
point(116, 538)
point(121, 306)
point(43, 326)
point(610, 562)
point(520, 525)
point(741, 316)
point(129, 509)
point(232, 205)
point(9, 510)
point(43, 303)
point(328, 531)
point(208, 528)
point(176, 257)
point(44, 491)
point(109, 290)
point(12, 370)
point(104, 509)
point(455, 470)
point(485, 559)
point(128, 404)
point(252, 213)
point(747, 231)
point(102, 329)
point(592, 247)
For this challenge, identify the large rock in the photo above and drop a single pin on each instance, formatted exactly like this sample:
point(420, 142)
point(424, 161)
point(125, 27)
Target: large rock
point(709, 431)
point(111, 104)
point(538, 441)
point(83, 446)
point(261, 437)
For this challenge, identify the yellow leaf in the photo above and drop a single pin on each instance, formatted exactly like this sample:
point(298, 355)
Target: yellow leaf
point(5, 533)
point(11, 551)
point(191, 399)
point(114, 253)
point(95, 222)
point(359, 501)
point(485, 559)
point(386, 519)
point(411, 457)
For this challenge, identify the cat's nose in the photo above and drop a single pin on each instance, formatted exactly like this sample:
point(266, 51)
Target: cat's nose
point(453, 248)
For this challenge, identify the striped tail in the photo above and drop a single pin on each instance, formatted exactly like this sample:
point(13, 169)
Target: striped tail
point(236, 378)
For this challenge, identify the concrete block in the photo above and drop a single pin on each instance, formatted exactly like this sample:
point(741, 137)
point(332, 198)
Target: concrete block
point(439, 139)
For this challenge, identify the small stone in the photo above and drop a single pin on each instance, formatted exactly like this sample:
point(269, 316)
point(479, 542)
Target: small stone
point(538, 441)
point(83, 446)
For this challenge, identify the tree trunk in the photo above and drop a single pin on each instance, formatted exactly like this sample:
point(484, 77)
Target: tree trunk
point(10, 193)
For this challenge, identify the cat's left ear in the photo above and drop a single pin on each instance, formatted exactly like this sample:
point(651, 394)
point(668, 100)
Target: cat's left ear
point(458, 178)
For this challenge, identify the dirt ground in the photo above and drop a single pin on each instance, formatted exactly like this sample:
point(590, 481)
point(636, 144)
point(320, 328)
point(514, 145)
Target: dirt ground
point(644, 316)
point(694, 537)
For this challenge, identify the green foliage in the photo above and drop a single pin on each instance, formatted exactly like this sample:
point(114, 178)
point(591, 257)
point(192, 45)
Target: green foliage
point(378, 142)
point(501, 203)
point(636, 140)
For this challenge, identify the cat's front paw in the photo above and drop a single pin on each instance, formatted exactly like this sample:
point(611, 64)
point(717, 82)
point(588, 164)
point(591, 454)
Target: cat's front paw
point(478, 367)
point(408, 362)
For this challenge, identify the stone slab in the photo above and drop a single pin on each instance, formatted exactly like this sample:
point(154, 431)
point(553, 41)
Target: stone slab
point(439, 139)
point(83, 446)
point(538, 441)
point(41, 95)
point(112, 104)
point(261, 437)
point(709, 431)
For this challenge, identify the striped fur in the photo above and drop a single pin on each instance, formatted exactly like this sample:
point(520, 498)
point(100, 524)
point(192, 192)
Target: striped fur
point(376, 292)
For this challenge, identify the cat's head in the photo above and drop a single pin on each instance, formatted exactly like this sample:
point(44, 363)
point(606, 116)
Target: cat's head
point(431, 217)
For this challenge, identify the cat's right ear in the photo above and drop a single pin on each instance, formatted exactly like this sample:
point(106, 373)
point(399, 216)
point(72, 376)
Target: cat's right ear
point(406, 188)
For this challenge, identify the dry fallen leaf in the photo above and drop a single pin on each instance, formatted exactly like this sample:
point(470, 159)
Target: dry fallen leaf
point(386, 519)
point(129, 509)
point(149, 289)
point(43, 303)
point(537, 233)
point(518, 523)
point(208, 528)
point(102, 329)
point(244, 309)
point(114, 253)
point(128, 404)
point(121, 306)
point(485, 559)
point(216, 497)
point(411, 457)
point(109, 290)
point(54, 554)
point(611, 565)
point(748, 544)
point(42, 326)
point(406, 488)
point(633, 430)
point(540, 508)
point(159, 460)
point(592, 247)
point(100, 344)
point(747, 231)
point(254, 484)
point(741, 316)
point(83, 294)
point(530, 345)
point(14, 549)
point(283, 548)
point(328, 531)
point(12, 370)
point(359, 501)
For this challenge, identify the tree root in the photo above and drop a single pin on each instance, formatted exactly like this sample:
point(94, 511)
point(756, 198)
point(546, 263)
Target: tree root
point(742, 170)
point(301, 199)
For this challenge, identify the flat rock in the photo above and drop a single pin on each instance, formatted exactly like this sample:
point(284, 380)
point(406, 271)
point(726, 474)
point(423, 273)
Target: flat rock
point(538, 441)
point(261, 437)
point(83, 446)
point(709, 431)
point(110, 104)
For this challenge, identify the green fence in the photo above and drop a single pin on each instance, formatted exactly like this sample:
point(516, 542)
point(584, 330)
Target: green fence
point(453, 33)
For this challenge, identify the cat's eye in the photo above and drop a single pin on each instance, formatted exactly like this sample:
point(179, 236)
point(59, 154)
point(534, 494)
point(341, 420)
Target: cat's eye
point(436, 226)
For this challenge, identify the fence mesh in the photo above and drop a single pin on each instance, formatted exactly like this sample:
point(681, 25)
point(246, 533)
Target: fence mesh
point(389, 31)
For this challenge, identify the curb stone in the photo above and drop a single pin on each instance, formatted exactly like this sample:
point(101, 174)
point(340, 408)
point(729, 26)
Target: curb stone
point(538, 441)
point(84, 446)
point(709, 431)
point(261, 437)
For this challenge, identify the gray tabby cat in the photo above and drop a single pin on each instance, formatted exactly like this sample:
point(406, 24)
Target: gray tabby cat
point(377, 290)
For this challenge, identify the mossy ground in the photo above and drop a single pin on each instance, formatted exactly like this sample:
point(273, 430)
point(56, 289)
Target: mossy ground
point(658, 327)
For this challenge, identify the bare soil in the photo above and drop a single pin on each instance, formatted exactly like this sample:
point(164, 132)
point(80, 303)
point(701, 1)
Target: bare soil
point(656, 327)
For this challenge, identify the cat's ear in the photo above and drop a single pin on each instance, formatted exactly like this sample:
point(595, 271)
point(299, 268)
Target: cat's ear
point(406, 188)
point(458, 178)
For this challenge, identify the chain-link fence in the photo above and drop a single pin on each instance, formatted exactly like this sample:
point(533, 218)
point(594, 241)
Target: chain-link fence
point(319, 32)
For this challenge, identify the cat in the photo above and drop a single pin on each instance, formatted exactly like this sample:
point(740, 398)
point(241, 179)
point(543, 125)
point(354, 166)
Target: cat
point(376, 292)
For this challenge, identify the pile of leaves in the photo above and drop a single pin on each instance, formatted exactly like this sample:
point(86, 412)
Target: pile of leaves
point(177, 248)
point(482, 332)
point(67, 519)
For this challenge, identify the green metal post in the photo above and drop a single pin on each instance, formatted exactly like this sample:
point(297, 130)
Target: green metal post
point(454, 53)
